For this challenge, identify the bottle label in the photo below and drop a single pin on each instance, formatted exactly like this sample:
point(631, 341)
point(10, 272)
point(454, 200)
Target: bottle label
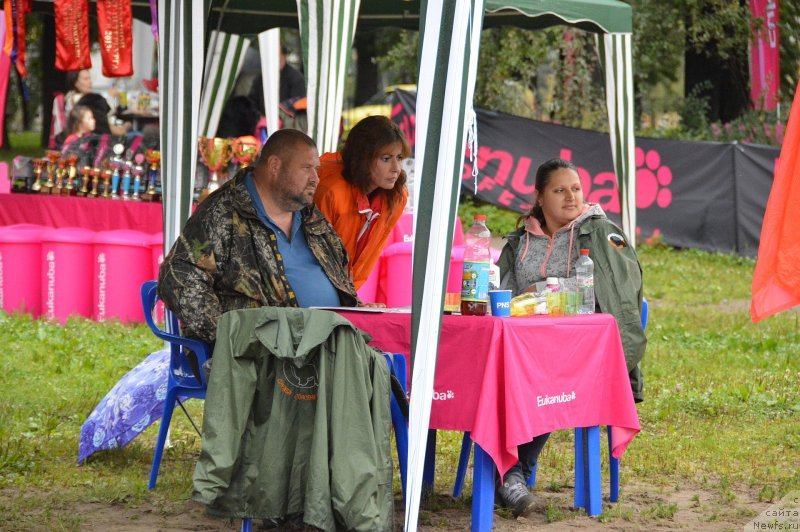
point(475, 281)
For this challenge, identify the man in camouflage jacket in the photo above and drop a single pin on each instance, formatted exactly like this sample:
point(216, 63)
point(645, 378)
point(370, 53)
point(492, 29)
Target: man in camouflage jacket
point(227, 258)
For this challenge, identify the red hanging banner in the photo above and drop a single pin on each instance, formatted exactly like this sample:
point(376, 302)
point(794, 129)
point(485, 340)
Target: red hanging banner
point(14, 45)
point(764, 55)
point(72, 35)
point(115, 31)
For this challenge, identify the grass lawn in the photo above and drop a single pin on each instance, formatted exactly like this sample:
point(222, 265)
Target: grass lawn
point(722, 413)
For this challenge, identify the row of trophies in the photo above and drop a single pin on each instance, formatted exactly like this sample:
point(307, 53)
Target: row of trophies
point(128, 175)
point(217, 154)
point(121, 176)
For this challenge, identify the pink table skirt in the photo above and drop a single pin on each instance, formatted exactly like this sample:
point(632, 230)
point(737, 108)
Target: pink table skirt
point(96, 214)
point(507, 380)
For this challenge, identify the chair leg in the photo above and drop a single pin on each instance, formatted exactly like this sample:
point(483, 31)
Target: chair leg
point(397, 366)
point(613, 469)
point(532, 478)
point(587, 470)
point(429, 471)
point(169, 406)
point(401, 441)
point(463, 463)
point(482, 491)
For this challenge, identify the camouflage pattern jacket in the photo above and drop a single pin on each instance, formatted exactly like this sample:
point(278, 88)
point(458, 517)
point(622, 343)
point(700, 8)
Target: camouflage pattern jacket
point(227, 259)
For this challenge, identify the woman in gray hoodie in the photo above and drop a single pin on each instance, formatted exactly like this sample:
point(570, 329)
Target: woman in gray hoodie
point(548, 244)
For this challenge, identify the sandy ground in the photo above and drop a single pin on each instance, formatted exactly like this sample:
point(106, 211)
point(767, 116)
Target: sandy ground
point(641, 507)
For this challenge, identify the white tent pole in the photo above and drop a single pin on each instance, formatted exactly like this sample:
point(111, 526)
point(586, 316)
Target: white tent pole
point(442, 106)
point(618, 65)
point(269, 45)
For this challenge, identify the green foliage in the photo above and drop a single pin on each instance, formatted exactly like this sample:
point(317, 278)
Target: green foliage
point(397, 57)
point(499, 221)
point(553, 74)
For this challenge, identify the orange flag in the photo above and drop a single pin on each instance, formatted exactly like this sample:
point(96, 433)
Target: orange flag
point(776, 281)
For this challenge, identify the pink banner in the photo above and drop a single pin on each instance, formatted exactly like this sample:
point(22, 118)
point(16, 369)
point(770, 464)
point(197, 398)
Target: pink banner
point(764, 55)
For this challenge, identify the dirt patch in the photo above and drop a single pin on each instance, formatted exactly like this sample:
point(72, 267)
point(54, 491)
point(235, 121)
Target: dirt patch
point(641, 507)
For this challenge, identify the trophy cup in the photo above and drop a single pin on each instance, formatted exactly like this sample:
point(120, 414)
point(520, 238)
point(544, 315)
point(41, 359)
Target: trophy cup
point(52, 157)
point(153, 158)
point(244, 152)
point(107, 174)
point(86, 172)
point(137, 169)
point(38, 167)
point(61, 177)
point(117, 162)
point(127, 166)
point(216, 154)
point(70, 173)
point(95, 173)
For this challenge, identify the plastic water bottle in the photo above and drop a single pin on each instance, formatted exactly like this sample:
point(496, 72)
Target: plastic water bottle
point(584, 270)
point(475, 278)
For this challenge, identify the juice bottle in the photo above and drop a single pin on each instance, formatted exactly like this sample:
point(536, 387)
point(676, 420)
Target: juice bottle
point(475, 278)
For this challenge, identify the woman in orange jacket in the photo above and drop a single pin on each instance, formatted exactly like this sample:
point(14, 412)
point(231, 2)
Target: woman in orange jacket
point(362, 190)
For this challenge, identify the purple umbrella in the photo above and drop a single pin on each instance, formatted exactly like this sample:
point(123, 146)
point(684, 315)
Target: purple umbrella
point(131, 406)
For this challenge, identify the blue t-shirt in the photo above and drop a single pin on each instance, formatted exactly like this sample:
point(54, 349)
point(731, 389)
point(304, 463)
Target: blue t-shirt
point(303, 271)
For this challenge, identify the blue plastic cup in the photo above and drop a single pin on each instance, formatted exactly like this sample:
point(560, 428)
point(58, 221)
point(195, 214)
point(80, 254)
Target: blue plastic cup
point(500, 301)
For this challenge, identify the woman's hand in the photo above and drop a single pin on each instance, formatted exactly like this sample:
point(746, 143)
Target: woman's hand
point(372, 305)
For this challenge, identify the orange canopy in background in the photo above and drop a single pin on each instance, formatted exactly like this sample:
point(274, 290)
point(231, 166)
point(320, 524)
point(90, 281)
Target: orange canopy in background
point(776, 281)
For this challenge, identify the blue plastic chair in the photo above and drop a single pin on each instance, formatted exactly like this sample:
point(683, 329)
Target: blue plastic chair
point(397, 367)
point(181, 381)
point(466, 448)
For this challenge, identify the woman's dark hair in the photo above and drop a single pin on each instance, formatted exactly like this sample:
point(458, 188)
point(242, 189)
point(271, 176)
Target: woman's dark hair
point(71, 78)
point(543, 175)
point(100, 109)
point(76, 117)
point(364, 143)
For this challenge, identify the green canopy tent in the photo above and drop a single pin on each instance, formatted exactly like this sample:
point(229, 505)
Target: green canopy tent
point(450, 41)
point(448, 64)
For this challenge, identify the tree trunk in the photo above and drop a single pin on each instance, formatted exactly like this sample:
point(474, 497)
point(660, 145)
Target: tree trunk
point(52, 80)
point(725, 83)
point(367, 68)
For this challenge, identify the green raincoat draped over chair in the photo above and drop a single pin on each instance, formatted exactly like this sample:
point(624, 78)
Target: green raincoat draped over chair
point(297, 421)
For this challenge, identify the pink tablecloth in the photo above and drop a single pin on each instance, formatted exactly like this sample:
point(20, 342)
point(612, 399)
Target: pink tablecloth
point(507, 380)
point(96, 214)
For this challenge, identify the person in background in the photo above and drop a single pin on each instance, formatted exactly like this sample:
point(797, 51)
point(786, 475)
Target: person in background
point(258, 241)
point(80, 122)
point(548, 244)
point(291, 86)
point(79, 91)
point(362, 190)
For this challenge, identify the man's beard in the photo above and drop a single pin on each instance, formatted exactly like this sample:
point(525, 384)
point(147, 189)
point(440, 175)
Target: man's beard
point(289, 199)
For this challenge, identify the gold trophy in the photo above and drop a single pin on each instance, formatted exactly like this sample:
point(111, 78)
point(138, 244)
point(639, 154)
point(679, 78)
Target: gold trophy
point(86, 173)
point(107, 172)
point(70, 173)
point(95, 173)
point(62, 174)
point(153, 158)
point(38, 167)
point(52, 157)
point(244, 151)
point(216, 153)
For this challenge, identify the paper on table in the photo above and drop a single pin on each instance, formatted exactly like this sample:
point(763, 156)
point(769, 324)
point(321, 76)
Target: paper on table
point(402, 310)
